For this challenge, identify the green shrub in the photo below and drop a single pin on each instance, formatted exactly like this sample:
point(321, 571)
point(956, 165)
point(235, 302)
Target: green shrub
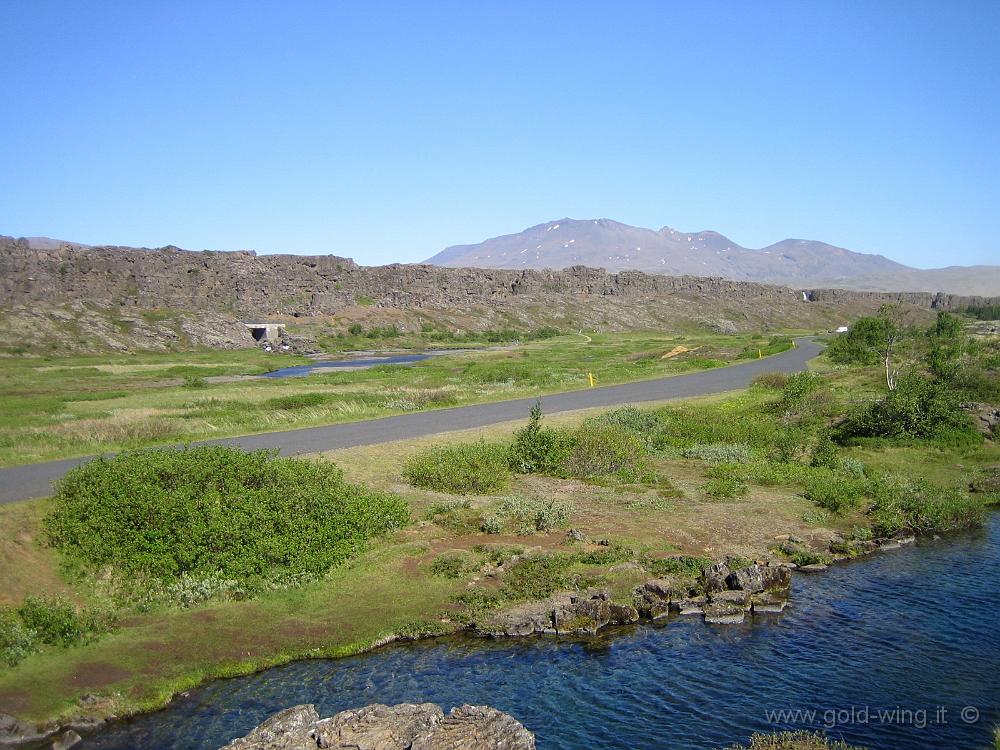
point(729, 453)
point(528, 514)
point(605, 450)
point(194, 381)
point(296, 401)
point(917, 408)
point(837, 493)
point(207, 510)
point(770, 381)
point(463, 469)
point(538, 577)
point(793, 741)
point(918, 505)
point(609, 554)
point(356, 329)
point(809, 557)
point(643, 423)
point(724, 487)
point(17, 641)
point(452, 565)
point(537, 449)
point(54, 620)
point(684, 566)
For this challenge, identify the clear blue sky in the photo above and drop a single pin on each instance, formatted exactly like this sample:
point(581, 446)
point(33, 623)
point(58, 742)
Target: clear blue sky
point(386, 131)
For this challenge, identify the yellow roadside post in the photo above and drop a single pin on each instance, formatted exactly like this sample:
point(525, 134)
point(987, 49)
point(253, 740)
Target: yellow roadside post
point(591, 376)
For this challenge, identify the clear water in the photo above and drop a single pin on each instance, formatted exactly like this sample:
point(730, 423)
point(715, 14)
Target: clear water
point(915, 629)
point(300, 370)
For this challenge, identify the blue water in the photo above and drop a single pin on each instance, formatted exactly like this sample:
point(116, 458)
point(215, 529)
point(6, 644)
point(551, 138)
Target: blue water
point(916, 629)
point(299, 370)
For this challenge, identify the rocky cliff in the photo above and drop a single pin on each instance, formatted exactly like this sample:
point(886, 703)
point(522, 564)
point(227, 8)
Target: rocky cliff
point(245, 285)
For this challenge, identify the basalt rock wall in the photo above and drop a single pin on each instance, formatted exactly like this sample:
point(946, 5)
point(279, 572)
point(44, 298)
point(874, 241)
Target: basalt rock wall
point(245, 284)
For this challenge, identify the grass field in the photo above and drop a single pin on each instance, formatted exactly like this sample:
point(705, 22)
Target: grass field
point(55, 407)
point(406, 583)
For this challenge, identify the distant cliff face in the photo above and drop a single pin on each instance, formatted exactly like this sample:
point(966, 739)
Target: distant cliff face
point(247, 285)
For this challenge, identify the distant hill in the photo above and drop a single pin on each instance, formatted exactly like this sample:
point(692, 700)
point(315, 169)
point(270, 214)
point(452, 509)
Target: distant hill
point(608, 244)
point(47, 243)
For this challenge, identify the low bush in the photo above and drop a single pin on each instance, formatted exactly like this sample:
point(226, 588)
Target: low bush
point(643, 423)
point(159, 514)
point(900, 503)
point(606, 450)
point(917, 408)
point(538, 577)
point(17, 641)
point(539, 450)
point(730, 453)
point(793, 741)
point(770, 381)
point(684, 566)
point(452, 565)
point(837, 493)
point(527, 515)
point(463, 469)
point(724, 488)
point(194, 381)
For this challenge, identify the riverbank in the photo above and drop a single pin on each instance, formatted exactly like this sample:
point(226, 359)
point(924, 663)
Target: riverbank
point(860, 635)
point(418, 582)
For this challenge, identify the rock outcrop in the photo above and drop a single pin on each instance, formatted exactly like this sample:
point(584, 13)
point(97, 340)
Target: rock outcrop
point(245, 284)
point(406, 726)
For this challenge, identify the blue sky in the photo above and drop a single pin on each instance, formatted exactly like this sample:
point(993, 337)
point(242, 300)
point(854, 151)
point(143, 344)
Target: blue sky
point(386, 131)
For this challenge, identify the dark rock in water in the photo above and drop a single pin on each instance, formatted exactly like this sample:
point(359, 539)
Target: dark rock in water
point(406, 726)
point(291, 729)
point(691, 606)
point(724, 613)
point(767, 603)
point(814, 568)
point(714, 578)
point(653, 598)
point(735, 598)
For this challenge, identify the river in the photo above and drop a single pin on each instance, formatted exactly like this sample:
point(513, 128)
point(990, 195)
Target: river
point(887, 652)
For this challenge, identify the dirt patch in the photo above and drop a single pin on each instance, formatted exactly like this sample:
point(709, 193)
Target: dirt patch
point(95, 675)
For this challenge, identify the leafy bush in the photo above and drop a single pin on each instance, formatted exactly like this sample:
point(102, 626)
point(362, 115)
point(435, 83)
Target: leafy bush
point(920, 506)
point(917, 408)
point(643, 423)
point(793, 741)
point(463, 469)
point(537, 577)
point(17, 641)
point(537, 449)
point(770, 381)
point(161, 513)
point(530, 514)
point(861, 344)
point(452, 565)
point(837, 493)
point(194, 381)
point(296, 401)
point(724, 487)
point(54, 620)
point(809, 557)
point(605, 450)
point(684, 566)
point(776, 345)
point(731, 453)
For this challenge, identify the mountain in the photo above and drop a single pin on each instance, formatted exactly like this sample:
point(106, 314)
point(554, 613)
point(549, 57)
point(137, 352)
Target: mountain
point(608, 244)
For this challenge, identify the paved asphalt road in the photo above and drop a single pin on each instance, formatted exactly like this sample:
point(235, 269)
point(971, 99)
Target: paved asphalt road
point(35, 480)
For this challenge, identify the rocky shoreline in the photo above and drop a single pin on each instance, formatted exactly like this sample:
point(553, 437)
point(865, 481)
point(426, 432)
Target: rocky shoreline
point(725, 594)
